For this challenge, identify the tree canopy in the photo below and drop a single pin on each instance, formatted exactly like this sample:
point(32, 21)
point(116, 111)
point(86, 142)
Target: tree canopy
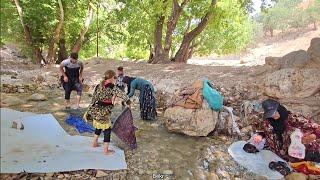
point(158, 30)
point(286, 14)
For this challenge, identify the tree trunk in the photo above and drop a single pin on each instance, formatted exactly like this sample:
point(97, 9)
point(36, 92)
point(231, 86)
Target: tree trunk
point(271, 32)
point(183, 52)
point(191, 49)
point(158, 54)
point(151, 54)
point(36, 50)
point(188, 26)
point(77, 46)
point(315, 25)
point(56, 36)
point(37, 53)
point(62, 53)
point(172, 23)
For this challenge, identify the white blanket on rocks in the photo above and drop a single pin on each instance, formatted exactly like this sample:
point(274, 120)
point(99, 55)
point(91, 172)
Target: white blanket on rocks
point(43, 146)
point(257, 163)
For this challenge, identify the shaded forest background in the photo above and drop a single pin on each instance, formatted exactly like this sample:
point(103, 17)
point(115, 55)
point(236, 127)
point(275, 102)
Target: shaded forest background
point(159, 31)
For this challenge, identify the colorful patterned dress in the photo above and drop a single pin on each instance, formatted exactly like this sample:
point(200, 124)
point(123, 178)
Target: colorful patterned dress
point(101, 105)
point(280, 147)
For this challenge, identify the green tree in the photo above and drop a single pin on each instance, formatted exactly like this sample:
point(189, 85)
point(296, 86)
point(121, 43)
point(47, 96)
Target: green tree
point(46, 24)
point(283, 15)
point(229, 34)
point(163, 30)
point(30, 28)
point(313, 14)
point(9, 22)
point(174, 30)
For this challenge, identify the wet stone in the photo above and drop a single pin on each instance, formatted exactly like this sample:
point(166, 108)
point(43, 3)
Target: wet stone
point(168, 172)
point(140, 172)
point(21, 90)
point(60, 176)
point(49, 174)
point(101, 174)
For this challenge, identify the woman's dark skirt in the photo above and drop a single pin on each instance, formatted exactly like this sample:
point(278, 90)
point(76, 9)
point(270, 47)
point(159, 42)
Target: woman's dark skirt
point(147, 103)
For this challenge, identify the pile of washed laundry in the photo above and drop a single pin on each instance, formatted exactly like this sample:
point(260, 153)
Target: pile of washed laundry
point(192, 96)
point(203, 92)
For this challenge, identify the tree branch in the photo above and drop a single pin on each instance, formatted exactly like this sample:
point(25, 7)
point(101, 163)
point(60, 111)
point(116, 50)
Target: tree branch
point(28, 38)
point(203, 23)
point(78, 44)
point(56, 36)
point(25, 28)
point(188, 26)
point(172, 23)
point(183, 53)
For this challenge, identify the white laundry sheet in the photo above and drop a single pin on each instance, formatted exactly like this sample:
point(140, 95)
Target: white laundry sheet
point(43, 146)
point(257, 163)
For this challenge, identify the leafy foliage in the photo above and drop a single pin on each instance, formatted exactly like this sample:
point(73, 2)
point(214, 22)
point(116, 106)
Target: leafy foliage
point(286, 14)
point(313, 13)
point(10, 24)
point(125, 28)
point(230, 33)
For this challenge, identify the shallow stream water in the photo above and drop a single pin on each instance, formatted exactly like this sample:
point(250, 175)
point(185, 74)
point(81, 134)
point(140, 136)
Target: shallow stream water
point(160, 153)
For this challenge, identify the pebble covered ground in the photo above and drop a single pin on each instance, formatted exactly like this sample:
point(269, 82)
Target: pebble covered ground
point(160, 153)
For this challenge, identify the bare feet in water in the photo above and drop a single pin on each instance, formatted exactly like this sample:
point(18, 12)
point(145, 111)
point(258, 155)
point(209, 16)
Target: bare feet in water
point(77, 107)
point(109, 152)
point(95, 144)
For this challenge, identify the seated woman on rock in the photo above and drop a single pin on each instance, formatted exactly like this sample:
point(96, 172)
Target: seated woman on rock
point(101, 107)
point(278, 126)
point(147, 96)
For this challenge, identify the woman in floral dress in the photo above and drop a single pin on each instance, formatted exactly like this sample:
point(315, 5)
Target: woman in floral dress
point(101, 107)
point(278, 125)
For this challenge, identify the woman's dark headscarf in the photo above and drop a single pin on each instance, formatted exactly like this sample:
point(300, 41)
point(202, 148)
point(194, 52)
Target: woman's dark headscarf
point(128, 80)
point(279, 125)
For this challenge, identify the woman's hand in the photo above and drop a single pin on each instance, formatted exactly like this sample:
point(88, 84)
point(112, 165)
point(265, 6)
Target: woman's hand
point(80, 79)
point(308, 138)
point(257, 139)
point(65, 79)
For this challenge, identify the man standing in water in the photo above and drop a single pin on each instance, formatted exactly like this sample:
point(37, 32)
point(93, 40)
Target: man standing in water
point(71, 78)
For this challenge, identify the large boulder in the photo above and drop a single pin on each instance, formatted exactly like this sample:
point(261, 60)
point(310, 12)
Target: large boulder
point(168, 85)
point(192, 122)
point(273, 63)
point(295, 59)
point(314, 52)
point(292, 83)
point(163, 99)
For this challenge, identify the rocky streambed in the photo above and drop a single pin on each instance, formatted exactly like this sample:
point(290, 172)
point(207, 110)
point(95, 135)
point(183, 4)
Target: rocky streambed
point(160, 153)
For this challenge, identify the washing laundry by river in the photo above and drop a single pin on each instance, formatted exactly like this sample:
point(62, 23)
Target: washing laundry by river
point(281, 143)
